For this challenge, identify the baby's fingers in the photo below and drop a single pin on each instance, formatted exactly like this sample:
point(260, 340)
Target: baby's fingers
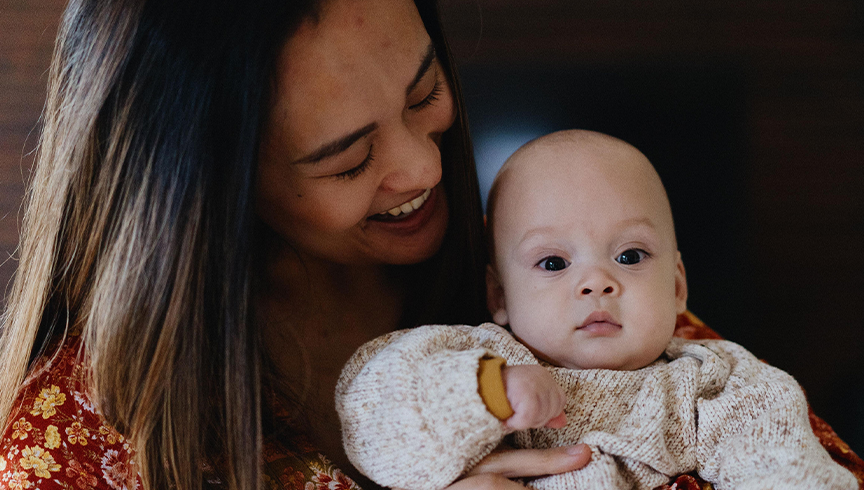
point(558, 422)
point(540, 410)
point(534, 395)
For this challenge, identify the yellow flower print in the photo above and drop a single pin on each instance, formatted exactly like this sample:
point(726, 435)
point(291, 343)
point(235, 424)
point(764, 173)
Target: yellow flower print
point(21, 428)
point(46, 402)
point(111, 434)
point(39, 460)
point(52, 437)
point(19, 481)
point(78, 434)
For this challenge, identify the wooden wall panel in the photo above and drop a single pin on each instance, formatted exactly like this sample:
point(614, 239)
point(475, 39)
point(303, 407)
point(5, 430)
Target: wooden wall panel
point(27, 31)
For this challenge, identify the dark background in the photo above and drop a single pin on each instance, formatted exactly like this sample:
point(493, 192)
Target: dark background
point(752, 112)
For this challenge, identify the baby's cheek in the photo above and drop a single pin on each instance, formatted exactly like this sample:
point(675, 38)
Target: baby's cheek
point(524, 315)
point(536, 308)
point(538, 324)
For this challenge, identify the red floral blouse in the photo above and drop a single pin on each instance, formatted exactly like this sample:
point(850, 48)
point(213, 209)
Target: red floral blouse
point(55, 439)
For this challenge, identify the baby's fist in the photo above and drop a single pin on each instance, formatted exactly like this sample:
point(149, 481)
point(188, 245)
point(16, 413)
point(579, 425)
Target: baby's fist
point(534, 396)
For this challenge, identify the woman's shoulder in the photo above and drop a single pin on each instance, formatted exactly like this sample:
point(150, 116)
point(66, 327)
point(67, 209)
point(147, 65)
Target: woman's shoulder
point(55, 438)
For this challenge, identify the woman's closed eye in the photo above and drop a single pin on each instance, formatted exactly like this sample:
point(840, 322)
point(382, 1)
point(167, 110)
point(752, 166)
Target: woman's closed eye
point(631, 256)
point(431, 97)
point(428, 100)
point(354, 172)
point(553, 263)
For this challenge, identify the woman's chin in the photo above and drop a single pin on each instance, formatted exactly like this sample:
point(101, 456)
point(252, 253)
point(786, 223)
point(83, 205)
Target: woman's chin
point(413, 238)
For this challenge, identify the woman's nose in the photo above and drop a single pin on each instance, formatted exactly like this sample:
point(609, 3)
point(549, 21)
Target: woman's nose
point(414, 162)
point(598, 282)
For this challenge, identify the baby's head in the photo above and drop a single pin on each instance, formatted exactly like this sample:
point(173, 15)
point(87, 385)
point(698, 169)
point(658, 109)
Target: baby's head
point(585, 267)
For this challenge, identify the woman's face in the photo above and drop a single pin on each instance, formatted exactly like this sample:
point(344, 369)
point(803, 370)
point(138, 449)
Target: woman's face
point(350, 168)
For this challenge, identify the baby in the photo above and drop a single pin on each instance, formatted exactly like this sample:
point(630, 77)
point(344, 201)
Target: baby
point(587, 274)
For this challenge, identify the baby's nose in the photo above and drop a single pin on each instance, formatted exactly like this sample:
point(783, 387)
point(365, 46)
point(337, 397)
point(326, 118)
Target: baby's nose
point(606, 290)
point(598, 281)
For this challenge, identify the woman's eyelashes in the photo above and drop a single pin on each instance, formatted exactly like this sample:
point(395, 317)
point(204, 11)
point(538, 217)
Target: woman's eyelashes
point(631, 256)
point(553, 263)
point(431, 97)
point(353, 173)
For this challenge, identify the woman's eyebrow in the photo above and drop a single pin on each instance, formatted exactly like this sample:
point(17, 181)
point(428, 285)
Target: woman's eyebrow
point(342, 144)
point(338, 146)
point(428, 58)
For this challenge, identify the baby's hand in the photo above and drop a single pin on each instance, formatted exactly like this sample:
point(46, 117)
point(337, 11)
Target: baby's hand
point(535, 397)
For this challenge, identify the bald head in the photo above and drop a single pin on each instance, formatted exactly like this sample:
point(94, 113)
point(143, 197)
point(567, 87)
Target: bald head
point(583, 159)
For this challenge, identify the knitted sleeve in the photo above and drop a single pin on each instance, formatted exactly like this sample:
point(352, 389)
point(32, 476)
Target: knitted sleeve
point(411, 413)
point(754, 432)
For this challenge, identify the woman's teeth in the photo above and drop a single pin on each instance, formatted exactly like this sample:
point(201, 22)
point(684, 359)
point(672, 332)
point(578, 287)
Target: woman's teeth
point(409, 206)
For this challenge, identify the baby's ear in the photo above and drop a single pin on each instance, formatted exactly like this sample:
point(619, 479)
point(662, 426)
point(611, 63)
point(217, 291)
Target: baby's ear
point(680, 286)
point(495, 297)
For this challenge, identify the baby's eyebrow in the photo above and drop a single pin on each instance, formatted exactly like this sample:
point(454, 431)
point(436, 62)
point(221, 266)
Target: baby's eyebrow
point(543, 232)
point(643, 222)
point(532, 234)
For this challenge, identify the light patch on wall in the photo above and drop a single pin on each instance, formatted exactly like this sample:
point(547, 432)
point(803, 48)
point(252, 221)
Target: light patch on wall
point(492, 148)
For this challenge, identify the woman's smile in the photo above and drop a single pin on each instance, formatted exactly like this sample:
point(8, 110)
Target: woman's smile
point(421, 211)
point(405, 208)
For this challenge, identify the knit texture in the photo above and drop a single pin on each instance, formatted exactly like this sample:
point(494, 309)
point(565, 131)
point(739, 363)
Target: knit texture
point(412, 417)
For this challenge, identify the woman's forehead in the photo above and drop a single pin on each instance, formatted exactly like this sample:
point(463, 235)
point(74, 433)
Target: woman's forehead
point(334, 72)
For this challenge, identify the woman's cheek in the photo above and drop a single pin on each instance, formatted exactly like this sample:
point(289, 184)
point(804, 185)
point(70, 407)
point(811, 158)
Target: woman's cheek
point(332, 208)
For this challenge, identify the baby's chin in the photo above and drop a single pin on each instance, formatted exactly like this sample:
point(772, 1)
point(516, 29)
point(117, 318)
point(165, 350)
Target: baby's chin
point(612, 363)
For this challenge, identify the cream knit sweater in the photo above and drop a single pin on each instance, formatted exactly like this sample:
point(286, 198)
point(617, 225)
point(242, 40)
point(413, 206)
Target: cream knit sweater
point(412, 417)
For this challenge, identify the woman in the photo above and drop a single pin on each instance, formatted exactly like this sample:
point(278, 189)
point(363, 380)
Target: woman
point(229, 199)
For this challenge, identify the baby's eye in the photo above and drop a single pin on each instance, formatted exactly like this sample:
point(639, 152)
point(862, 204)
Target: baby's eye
point(553, 263)
point(631, 256)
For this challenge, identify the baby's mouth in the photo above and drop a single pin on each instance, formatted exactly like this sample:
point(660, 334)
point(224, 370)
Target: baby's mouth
point(599, 317)
point(403, 209)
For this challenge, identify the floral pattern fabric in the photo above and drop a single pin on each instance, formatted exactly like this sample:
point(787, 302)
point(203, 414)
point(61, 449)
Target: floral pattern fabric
point(302, 469)
point(55, 439)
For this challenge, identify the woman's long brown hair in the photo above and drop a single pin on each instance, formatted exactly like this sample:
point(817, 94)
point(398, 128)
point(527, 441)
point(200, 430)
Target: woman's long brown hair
point(140, 228)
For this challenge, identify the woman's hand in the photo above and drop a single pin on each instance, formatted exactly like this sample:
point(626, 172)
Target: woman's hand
point(535, 397)
point(495, 470)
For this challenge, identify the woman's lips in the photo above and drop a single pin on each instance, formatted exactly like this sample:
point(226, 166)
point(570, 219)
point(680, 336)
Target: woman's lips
point(409, 223)
point(403, 209)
